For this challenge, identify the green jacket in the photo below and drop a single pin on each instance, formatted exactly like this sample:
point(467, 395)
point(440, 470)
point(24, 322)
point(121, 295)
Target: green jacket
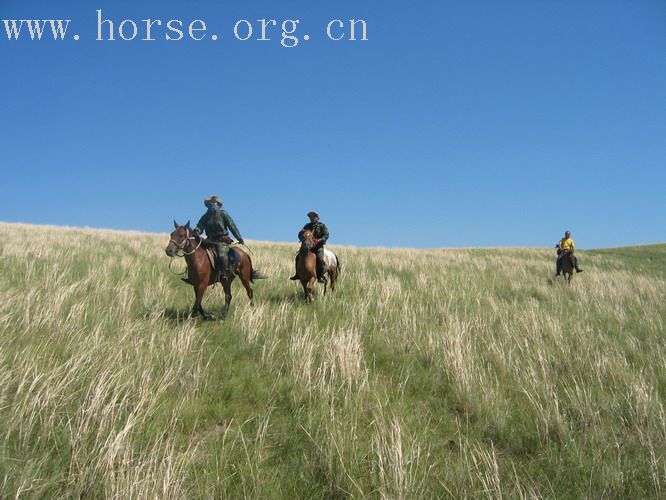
point(319, 230)
point(217, 223)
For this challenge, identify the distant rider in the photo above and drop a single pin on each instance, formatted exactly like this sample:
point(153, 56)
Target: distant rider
point(320, 232)
point(566, 244)
point(217, 223)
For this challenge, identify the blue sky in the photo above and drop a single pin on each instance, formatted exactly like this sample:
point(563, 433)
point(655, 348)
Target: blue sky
point(479, 123)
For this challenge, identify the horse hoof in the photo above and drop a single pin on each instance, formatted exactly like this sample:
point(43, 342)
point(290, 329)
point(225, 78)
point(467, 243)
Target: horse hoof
point(224, 313)
point(208, 317)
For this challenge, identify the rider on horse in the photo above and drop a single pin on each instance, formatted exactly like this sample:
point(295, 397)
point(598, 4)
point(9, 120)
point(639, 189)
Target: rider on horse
point(217, 223)
point(565, 245)
point(320, 232)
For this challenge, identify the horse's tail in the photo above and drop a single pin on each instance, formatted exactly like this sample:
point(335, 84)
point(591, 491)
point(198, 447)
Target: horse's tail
point(339, 265)
point(257, 275)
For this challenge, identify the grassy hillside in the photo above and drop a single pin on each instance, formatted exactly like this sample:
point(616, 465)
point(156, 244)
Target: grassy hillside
point(444, 373)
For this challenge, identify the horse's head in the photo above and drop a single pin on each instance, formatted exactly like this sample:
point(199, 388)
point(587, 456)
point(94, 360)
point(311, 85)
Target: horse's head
point(307, 240)
point(179, 239)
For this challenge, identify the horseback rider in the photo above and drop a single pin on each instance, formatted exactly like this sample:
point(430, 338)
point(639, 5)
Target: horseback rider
point(217, 223)
point(320, 232)
point(566, 244)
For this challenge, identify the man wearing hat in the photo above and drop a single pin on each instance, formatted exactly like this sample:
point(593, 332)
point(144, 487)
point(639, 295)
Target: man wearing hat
point(217, 223)
point(566, 244)
point(320, 232)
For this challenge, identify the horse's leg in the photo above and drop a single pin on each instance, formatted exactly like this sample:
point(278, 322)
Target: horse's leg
point(199, 291)
point(246, 276)
point(332, 275)
point(197, 302)
point(227, 298)
point(311, 284)
point(567, 269)
point(307, 289)
point(313, 274)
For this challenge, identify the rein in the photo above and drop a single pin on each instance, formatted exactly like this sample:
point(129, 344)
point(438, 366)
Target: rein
point(181, 248)
point(306, 247)
point(243, 245)
point(174, 272)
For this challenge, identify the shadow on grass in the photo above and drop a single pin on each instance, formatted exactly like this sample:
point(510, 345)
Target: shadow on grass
point(176, 316)
point(293, 297)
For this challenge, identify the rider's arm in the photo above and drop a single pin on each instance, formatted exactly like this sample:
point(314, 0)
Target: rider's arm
point(324, 234)
point(201, 224)
point(229, 222)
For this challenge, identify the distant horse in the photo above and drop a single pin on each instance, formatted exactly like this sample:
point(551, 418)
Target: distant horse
point(201, 272)
point(567, 264)
point(306, 265)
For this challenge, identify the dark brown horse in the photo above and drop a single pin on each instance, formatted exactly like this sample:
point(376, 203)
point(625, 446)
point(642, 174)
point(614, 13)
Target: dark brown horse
point(201, 273)
point(306, 265)
point(567, 263)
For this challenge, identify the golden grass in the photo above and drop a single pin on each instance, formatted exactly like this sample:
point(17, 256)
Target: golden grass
point(461, 373)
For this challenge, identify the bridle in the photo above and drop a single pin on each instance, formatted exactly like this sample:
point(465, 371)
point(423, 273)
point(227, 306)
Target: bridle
point(307, 243)
point(184, 243)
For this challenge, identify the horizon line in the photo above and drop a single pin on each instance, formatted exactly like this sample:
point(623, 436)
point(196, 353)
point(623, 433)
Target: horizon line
point(383, 247)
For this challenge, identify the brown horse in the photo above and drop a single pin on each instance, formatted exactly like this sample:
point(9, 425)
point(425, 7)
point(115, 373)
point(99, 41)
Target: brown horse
point(200, 270)
point(306, 265)
point(567, 263)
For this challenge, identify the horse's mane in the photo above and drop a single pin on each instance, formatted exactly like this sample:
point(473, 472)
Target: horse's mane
point(197, 237)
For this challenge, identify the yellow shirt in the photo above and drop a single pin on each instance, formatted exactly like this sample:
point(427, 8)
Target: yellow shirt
point(566, 244)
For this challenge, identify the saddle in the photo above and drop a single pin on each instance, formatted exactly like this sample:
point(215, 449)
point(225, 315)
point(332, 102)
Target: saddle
point(234, 262)
point(211, 252)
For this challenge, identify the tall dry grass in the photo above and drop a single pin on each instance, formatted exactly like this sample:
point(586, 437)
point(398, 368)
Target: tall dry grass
point(438, 373)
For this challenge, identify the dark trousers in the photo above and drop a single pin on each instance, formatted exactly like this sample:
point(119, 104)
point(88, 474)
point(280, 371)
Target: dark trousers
point(222, 256)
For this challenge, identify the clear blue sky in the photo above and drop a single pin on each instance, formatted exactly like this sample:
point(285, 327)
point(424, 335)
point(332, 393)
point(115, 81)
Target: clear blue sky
point(466, 123)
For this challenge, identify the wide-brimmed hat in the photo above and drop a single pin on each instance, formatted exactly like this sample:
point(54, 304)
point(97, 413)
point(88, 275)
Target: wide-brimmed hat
point(312, 212)
point(214, 199)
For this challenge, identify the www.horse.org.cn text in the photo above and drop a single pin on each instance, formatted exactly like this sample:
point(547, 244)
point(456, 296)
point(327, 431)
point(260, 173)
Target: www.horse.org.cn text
point(289, 33)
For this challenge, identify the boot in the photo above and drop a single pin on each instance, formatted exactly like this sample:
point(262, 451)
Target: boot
point(321, 278)
point(576, 267)
point(222, 264)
